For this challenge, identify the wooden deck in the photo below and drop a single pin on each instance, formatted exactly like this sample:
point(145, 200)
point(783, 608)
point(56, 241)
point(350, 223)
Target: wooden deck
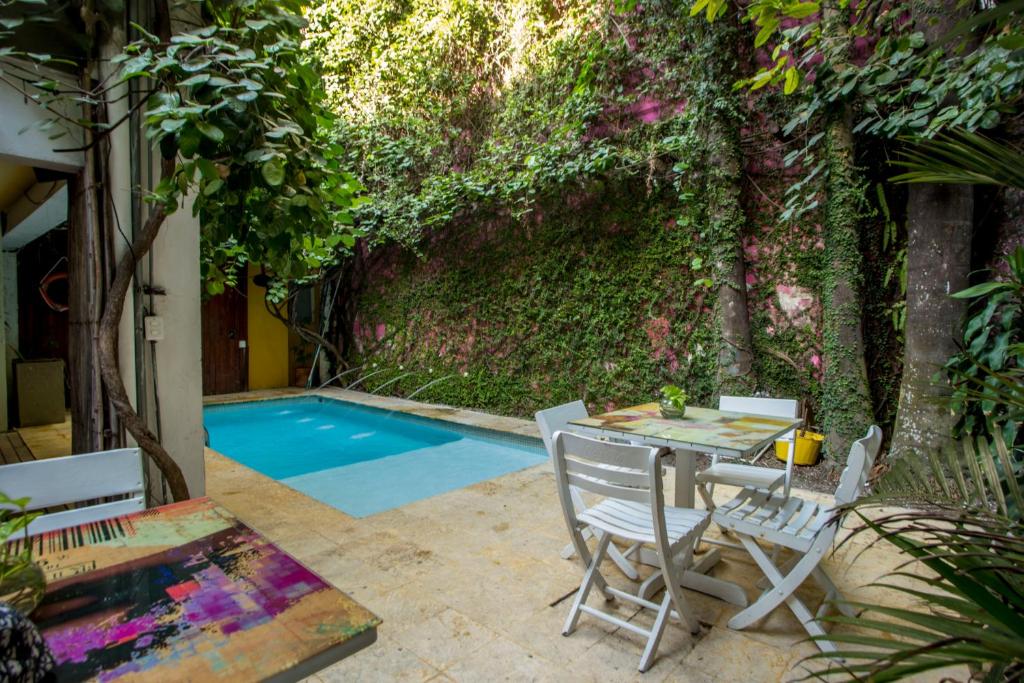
point(14, 449)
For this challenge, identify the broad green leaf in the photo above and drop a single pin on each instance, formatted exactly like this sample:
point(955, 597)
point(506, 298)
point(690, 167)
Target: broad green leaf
point(273, 172)
point(210, 131)
point(801, 10)
point(792, 81)
point(982, 289)
point(212, 186)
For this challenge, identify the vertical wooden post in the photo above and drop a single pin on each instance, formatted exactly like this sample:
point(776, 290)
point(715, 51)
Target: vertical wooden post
point(85, 305)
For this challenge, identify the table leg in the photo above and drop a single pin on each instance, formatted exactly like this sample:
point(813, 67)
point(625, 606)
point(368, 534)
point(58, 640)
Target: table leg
point(686, 477)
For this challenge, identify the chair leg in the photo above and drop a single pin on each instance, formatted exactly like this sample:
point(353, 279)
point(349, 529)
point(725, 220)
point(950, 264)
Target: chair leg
point(569, 550)
point(783, 589)
point(624, 565)
point(832, 592)
point(651, 649)
point(673, 568)
point(590, 577)
point(620, 560)
point(705, 495)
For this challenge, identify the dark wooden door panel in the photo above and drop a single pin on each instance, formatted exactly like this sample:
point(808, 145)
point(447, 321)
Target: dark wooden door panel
point(225, 324)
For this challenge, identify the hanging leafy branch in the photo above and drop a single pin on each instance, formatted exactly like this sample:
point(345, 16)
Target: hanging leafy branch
point(235, 109)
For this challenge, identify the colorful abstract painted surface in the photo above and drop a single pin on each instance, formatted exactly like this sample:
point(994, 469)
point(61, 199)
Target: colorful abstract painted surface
point(712, 429)
point(185, 592)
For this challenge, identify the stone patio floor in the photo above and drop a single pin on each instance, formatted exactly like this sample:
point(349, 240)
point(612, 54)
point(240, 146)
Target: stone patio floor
point(465, 581)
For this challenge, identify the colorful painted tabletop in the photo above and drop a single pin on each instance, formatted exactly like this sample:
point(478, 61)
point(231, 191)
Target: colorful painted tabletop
point(188, 592)
point(700, 429)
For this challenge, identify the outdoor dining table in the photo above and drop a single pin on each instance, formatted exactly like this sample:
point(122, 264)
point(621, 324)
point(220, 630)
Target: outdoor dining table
point(700, 430)
point(188, 592)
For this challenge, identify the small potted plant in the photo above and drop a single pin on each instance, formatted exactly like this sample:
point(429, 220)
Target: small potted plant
point(673, 401)
point(22, 582)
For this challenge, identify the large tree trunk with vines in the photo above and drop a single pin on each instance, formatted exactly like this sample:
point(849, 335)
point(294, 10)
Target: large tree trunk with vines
point(940, 221)
point(726, 217)
point(846, 398)
point(736, 357)
point(940, 225)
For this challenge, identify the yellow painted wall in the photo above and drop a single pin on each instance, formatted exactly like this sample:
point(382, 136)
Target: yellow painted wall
point(268, 342)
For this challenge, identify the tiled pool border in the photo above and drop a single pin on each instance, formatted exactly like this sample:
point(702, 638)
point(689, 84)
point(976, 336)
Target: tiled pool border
point(497, 435)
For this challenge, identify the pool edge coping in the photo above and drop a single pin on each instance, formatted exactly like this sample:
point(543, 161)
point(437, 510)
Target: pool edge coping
point(433, 411)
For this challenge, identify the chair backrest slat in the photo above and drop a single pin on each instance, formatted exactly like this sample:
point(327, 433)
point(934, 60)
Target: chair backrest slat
point(619, 476)
point(606, 452)
point(557, 419)
point(85, 515)
point(854, 478)
point(613, 470)
point(603, 488)
point(77, 479)
point(772, 407)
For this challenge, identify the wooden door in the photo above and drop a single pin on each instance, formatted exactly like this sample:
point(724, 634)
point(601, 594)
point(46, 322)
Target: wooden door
point(225, 342)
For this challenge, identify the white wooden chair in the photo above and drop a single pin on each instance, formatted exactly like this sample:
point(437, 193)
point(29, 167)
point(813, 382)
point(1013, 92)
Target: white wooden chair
point(739, 474)
point(557, 419)
point(77, 479)
point(633, 508)
point(805, 527)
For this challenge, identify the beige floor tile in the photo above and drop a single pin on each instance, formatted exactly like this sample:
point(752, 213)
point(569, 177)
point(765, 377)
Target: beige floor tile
point(503, 660)
point(445, 638)
point(728, 655)
point(385, 660)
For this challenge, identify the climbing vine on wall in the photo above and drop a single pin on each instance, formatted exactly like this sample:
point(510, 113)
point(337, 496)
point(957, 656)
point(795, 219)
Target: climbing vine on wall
point(543, 186)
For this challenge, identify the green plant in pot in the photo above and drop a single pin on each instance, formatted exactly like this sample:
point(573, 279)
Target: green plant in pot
point(22, 582)
point(673, 401)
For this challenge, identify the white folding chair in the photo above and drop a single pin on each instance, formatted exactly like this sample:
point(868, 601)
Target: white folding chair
point(78, 479)
point(557, 419)
point(805, 527)
point(738, 474)
point(633, 508)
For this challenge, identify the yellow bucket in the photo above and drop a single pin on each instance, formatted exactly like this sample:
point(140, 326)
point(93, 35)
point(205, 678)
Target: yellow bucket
point(808, 446)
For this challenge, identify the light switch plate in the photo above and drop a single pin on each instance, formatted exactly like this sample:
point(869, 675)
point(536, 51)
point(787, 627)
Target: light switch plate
point(153, 328)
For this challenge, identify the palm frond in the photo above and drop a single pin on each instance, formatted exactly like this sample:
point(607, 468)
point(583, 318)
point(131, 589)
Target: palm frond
point(964, 606)
point(961, 157)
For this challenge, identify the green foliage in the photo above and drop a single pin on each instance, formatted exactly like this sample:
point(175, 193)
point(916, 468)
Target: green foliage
point(465, 106)
point(964, 569)
point(988, 378)
point(962, 157)
point(674, 396)
point(568, 313)
point(21, 582)
point(238, 106)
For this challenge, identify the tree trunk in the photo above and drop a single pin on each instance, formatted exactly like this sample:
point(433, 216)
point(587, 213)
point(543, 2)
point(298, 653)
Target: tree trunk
point(108, 334)
point(940, 221)
point(726, 218)
point(940, 226)
point(846, 399)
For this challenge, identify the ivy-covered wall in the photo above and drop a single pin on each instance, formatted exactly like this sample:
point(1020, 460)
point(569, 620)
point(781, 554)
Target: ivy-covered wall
point(600, 295)
point(561, 194)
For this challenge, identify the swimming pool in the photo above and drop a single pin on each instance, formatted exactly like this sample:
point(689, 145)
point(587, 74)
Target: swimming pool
point(358, 459)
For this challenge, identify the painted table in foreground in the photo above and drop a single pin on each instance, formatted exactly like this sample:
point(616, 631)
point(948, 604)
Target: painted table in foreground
point(701, 430)
point(188, 592)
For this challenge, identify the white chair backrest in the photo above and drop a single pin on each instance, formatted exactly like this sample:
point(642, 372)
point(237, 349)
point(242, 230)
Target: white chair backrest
point(772, 407)
point(854, 478)
point(75, 479)
point(612, 470)
point(556, 419)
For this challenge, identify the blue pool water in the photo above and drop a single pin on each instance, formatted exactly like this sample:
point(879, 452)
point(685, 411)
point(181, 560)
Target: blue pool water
point(358, 459)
